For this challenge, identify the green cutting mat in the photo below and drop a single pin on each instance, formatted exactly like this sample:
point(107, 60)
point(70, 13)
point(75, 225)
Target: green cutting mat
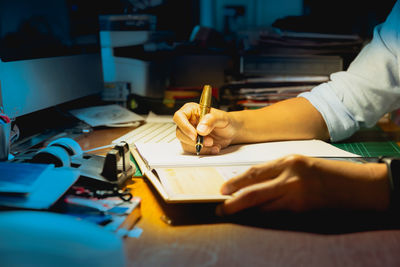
point(371, 149)
point(370, 142)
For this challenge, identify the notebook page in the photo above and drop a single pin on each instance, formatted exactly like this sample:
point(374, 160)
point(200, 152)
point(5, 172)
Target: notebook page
point(172, 155)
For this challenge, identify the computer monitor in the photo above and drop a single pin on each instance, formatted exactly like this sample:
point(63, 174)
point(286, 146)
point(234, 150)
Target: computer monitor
point(49, 54)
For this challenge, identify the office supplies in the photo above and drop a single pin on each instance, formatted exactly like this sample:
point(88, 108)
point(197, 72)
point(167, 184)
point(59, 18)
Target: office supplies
point(58, 152)
point(371, 149)
point(21, 179)
point(260, 91)
point(183, 177)
point(106, 115)
point(5, 133)
point(39, 185)
point(205, 106)
point(4, 119)
point(109, 171)
point(52, 155)
point(131, 215)
point(81, 191)
point(114, 209)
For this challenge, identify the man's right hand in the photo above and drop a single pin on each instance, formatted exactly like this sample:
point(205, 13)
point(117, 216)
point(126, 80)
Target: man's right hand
point(217, 128)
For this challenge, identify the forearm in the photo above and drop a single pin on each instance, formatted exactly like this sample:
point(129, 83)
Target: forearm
point(286, 120)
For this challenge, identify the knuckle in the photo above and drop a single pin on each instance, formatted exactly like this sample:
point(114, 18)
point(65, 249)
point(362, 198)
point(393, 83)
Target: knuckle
point(253, 172)
point(295, 160)
point(188, 105)
point(176, 116)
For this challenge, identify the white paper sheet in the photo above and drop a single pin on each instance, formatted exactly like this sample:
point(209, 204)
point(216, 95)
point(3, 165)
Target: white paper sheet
point(172, 155)
point(106, 115)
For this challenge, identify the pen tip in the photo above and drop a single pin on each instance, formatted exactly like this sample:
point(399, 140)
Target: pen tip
point(198, 147)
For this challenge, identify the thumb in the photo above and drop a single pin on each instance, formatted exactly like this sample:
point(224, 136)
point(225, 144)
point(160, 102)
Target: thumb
point(215, 119)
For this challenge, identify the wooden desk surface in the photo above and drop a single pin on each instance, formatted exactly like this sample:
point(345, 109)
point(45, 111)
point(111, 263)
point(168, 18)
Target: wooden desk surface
point(191, 235)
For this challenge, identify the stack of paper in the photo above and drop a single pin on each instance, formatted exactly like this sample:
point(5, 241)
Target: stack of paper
point(107, 115)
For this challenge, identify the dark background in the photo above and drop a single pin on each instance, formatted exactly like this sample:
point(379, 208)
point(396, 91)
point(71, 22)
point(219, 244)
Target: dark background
point(37, 35)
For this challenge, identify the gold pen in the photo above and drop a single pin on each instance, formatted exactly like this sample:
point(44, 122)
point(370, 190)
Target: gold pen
point(205, 106)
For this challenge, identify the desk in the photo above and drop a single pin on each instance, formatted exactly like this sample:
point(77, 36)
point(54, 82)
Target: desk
point(197, 238)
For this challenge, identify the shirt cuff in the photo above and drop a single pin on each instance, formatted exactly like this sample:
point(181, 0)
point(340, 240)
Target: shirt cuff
point(340, 122)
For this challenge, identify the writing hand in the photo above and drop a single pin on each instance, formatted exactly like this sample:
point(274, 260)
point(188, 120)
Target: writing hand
point(216, 127)
point(298, 183)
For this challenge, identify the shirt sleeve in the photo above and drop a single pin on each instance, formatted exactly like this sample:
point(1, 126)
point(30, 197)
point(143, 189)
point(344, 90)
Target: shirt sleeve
point(368, 89)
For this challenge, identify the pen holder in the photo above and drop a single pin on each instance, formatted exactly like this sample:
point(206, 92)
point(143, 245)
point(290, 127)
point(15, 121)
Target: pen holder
point(5, 131)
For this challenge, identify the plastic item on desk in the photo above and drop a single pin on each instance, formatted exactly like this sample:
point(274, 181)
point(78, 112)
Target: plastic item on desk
point(33, 186)
point(52, 155)
point(4, 118)
point(32, 238)
point(124, 195)
point(58, 152)
point(5, 131)
point(105, 172)
point(70, 145)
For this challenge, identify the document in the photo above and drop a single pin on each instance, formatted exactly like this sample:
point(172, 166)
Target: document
point(172, 155)
point(106, 115)
point(185, 177)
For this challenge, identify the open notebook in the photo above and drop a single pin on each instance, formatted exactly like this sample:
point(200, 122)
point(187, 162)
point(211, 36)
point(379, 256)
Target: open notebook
point(184, 177)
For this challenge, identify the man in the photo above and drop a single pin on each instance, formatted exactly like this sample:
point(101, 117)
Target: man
point(331, 111)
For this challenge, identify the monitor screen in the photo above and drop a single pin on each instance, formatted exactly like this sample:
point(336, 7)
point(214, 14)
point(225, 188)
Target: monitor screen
point(49, 54)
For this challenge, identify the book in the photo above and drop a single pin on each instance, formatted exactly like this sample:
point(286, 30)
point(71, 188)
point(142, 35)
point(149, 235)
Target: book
point(34, 185)
point(181, 177)
point(256, 92)
point(279, 64)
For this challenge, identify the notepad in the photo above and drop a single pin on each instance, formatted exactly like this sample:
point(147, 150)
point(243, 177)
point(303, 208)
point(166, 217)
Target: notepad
point(34, 185)
point(183, 177)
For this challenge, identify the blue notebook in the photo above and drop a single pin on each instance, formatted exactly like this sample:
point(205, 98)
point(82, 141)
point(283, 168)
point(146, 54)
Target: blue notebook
point(33, 185)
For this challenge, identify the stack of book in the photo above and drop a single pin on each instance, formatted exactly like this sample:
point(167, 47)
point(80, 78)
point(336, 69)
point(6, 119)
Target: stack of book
point(253, 93)
point(275, 65)
point(273, 41)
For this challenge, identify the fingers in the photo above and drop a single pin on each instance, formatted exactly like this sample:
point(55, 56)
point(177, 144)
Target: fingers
point(251, 196)
point(207, 140)
point(290, 183)
point(253, 175)
point(279, 204)
point(211, 150)
point(215, 119)
point(185, 118)
point(188, 116)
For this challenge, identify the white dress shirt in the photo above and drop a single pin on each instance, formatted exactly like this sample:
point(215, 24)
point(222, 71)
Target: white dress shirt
point(369, 88)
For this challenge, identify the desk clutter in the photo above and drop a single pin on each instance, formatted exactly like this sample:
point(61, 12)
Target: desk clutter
point(63, 179)
point(109, 171)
